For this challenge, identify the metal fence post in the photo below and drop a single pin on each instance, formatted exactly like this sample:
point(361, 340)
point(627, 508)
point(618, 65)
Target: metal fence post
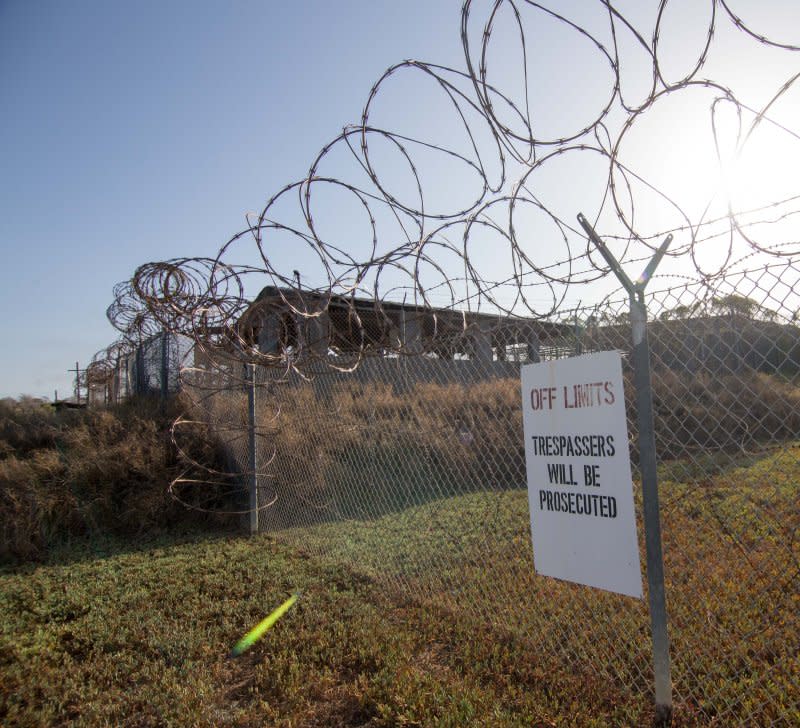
point(164, 365)
point(652, 517)
point(250, 371)
point(139, 375)
point(640, 356)
point(579, 331)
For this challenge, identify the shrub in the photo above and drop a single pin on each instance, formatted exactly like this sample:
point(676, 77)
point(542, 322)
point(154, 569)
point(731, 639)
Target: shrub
point(89, 473)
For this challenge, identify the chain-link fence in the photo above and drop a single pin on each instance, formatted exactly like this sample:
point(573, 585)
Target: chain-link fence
point(410, 468)
point(152, 367)
point(370, 428)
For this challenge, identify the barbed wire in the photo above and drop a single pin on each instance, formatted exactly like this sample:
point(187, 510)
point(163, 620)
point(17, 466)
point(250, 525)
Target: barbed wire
point(439, 249)
point(457, 216)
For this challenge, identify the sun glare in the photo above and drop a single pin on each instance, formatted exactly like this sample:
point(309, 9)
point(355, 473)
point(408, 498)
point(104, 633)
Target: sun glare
point(761, 170)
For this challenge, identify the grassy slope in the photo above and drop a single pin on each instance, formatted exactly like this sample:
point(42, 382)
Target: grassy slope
point(732, 576)
point(141, 638)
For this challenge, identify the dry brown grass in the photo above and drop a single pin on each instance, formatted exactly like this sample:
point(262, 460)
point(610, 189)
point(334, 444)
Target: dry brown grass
point(731, 411)
point(472, 432)
point(76, 474)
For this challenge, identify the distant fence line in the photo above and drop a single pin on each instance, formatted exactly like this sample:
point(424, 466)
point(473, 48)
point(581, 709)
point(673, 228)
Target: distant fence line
point(719, 329)
point(152, 367)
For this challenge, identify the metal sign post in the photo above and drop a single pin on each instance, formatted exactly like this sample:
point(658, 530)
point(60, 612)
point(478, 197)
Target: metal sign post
point(647, 461)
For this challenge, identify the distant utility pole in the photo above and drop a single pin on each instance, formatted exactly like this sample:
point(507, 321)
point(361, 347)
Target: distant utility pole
point(77, 371)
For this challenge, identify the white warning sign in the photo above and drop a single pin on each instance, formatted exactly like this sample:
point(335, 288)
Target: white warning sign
point(580, 489)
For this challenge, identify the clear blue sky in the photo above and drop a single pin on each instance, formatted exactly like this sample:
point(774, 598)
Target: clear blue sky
point(133, 132)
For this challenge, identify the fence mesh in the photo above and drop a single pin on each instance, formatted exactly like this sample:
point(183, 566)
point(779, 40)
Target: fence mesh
point(388, 432)
point(151, 366)
point(411, 470)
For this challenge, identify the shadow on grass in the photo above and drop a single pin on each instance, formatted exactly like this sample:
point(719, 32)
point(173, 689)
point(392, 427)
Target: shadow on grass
point(366, 483)
point(92, 548)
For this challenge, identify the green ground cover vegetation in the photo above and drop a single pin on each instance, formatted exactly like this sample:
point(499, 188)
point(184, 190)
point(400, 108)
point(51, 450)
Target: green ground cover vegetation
point(118, 606)
point(141, 637)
